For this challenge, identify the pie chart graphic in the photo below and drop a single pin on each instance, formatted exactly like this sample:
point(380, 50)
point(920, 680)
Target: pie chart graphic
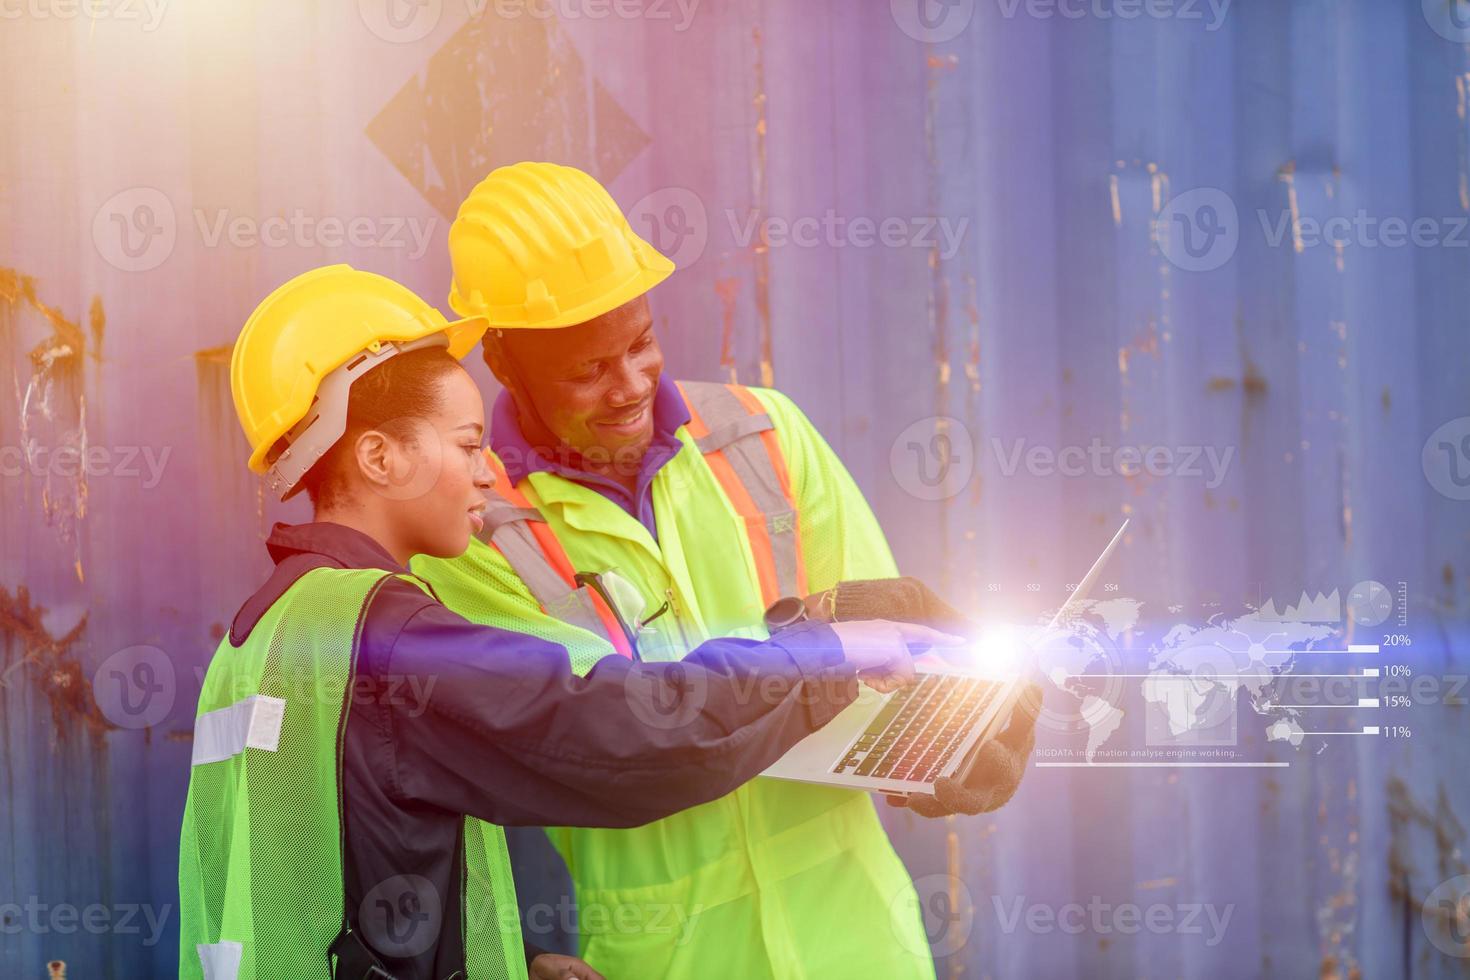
point(1370, 603)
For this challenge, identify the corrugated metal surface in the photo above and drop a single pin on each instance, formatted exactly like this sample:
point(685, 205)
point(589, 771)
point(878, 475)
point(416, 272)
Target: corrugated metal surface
point(1020, 153)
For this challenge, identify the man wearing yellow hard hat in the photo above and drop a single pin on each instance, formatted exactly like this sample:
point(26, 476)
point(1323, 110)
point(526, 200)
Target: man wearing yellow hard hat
point(692, 510)
point(357, 742)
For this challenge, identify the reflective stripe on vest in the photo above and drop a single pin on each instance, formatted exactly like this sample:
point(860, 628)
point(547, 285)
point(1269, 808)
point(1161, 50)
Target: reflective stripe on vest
point(517, 530)
point(738, 440)
point(261, 874)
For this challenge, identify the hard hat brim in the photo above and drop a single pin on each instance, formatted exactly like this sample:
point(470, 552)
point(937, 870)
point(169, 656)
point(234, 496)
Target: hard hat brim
point(464, 336)
point(646, 278)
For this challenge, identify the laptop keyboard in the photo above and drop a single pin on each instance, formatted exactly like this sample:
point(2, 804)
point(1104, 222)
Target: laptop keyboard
point(916, 734)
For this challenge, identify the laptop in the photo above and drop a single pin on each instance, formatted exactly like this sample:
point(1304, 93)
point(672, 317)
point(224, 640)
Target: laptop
point(900, 743)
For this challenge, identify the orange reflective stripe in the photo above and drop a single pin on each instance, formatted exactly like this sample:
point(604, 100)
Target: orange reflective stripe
point(778, 462)
point(556, 556)
point(755, 522)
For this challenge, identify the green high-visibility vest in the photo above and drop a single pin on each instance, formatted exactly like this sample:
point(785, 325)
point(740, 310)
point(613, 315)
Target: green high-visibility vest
point(260, 857)
point(778, 879)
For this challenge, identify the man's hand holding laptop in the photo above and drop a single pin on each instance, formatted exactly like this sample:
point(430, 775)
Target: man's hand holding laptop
point(995, 774)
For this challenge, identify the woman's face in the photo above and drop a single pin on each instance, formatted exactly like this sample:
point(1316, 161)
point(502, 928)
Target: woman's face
point(442, 478)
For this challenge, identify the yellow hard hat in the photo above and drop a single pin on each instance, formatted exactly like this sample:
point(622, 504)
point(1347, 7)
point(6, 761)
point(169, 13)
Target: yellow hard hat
point(542, 245)
point(298, 355)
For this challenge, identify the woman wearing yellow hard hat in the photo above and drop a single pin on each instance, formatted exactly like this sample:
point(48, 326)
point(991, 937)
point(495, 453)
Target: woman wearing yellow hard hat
point(356, 742)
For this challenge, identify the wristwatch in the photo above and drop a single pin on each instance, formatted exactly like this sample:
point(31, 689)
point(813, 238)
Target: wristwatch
point(785, 611)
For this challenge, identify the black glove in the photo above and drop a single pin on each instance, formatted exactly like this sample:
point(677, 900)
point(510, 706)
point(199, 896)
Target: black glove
point(997, 771)
point(901, 600)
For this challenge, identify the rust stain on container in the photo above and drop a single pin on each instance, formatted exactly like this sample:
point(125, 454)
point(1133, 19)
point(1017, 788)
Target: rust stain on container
point(49, 662)
point(1409, 885)
point(728, 289)
point(763, 253)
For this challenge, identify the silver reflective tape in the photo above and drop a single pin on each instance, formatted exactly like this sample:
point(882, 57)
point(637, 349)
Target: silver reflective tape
point(221, 960)
point(254, 723)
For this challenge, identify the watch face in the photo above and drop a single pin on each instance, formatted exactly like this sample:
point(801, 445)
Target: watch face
point(785, 611)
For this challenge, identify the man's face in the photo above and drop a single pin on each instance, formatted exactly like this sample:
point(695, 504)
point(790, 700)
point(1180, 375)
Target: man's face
point(591, 385)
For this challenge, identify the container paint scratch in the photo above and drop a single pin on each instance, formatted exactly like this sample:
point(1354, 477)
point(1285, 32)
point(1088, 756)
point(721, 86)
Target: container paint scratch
point(52, 407)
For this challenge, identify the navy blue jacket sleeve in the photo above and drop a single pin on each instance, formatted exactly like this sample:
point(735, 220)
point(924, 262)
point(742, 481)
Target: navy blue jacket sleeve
point(495, 724)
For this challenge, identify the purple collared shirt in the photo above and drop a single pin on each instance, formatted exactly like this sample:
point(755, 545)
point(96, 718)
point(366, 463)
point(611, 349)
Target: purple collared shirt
point(521, 459)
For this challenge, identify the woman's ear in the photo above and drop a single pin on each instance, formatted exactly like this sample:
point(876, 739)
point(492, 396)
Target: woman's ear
point(373, 453)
